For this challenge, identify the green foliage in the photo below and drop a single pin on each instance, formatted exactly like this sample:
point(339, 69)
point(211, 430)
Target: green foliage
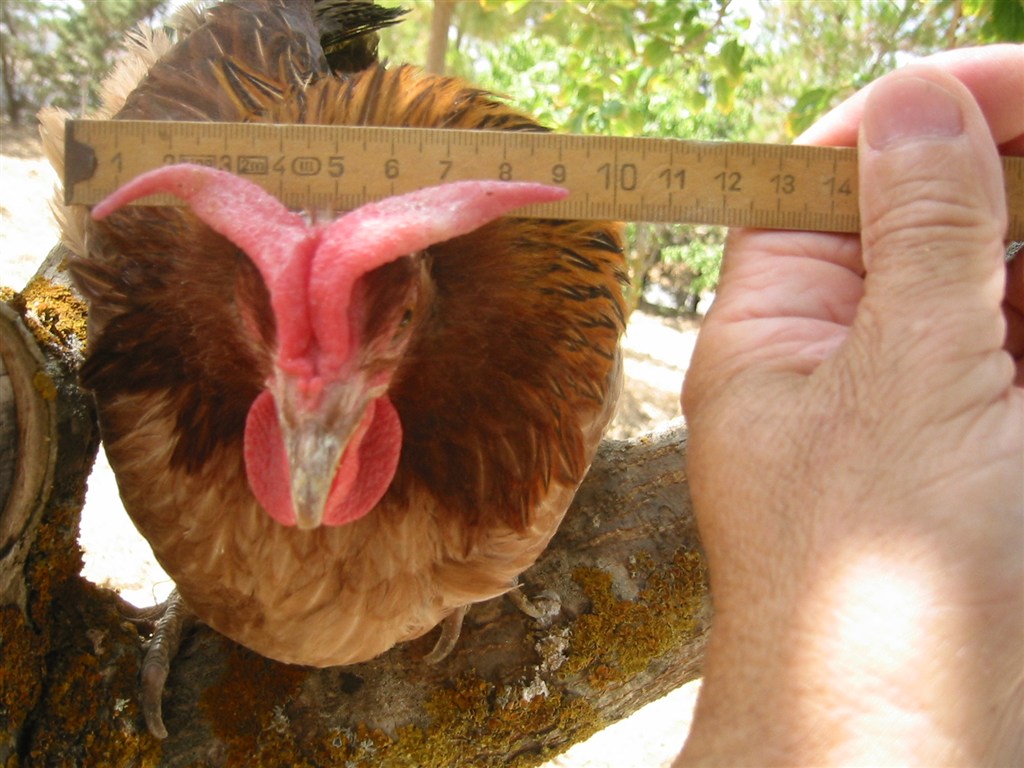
point(56, 53)
point(701, 252)
point(1000, 20)
point(817, 53)
point(625, 67)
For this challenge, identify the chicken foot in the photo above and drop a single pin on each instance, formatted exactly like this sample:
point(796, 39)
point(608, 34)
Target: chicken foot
point(175, 618)
point(546, 605)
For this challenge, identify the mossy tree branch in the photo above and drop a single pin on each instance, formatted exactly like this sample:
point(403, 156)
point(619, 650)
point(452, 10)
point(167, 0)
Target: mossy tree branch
point(623, 581)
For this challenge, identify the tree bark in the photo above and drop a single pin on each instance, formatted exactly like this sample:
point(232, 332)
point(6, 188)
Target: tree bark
point(42, 488)
point(623, 586)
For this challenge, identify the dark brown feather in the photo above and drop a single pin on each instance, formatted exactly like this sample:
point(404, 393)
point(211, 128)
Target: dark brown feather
point(508, 369)
point(189, 316)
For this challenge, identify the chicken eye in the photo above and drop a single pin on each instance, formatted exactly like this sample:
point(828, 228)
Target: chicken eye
point(403, 323)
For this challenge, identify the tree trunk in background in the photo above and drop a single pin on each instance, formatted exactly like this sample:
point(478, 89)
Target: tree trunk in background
point(12, 97)
point(440, 21)
point(623, 584)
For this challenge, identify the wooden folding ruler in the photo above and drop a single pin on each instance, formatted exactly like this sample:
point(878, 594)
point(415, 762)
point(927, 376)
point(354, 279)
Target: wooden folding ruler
point(773, 186)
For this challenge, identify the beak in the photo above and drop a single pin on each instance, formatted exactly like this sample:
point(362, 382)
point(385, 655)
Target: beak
point(315, 443)
point(313, 459)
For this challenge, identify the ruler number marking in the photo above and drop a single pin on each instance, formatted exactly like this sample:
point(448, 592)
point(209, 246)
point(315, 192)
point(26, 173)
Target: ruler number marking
point(836, 187)
point(785, 183)
point(618, 177)
point(673, 179)
point(730, 181)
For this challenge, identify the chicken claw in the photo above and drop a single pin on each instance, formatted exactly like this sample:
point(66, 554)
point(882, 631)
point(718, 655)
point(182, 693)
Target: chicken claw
point(451, 628)
point(176, 618)
point(543, 608)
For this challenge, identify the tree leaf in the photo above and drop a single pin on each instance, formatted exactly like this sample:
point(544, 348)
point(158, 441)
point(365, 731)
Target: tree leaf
point(656, 52)
point(732, 57)
point(1007, 21)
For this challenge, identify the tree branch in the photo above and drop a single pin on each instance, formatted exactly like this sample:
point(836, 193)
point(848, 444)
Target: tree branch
point(625, 569)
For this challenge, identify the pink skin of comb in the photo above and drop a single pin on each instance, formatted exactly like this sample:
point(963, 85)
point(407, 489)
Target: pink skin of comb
point(310, 272)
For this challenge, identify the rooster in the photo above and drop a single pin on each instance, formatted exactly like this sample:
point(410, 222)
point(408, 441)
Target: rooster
point(338, 431)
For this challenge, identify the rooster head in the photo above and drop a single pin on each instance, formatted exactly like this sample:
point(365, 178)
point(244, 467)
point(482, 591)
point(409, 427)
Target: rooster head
point(322, 441)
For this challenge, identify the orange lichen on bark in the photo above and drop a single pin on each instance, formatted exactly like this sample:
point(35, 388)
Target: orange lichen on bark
point(247, 709)
point(619, 637)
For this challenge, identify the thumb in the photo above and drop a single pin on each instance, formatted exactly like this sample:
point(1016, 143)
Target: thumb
point(933, 218)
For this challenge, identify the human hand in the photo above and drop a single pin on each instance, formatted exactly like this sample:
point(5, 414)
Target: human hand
point(856, 449)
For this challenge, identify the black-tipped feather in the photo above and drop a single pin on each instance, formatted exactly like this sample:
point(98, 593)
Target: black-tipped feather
point(348, 31)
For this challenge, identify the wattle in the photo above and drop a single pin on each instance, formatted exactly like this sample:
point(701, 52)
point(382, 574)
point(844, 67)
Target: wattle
point(370, 462)
point(362, 477)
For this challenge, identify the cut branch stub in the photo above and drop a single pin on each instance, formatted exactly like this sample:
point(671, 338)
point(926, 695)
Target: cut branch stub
point(47, 446)
point(28, 446)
